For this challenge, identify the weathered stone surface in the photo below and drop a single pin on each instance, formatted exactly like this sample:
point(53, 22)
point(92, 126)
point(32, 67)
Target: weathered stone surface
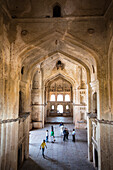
point(33, 39)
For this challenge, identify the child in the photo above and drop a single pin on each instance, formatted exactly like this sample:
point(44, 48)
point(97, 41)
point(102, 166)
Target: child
point(47, 135)
point(73, 135)
point(43, 145)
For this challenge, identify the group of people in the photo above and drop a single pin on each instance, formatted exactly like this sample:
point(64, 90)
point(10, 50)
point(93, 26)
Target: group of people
point(64, 133)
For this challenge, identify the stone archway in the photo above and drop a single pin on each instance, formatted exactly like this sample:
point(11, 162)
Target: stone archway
point(60, 88)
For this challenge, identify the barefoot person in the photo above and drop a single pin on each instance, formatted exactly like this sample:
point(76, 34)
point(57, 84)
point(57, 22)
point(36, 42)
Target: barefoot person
point(43, 145)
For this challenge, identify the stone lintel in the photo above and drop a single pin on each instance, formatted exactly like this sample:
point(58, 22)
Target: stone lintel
point(22, 117)
point(38, 105)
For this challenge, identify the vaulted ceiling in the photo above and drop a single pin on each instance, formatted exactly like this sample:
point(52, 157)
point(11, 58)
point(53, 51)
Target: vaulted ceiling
point(43, 8)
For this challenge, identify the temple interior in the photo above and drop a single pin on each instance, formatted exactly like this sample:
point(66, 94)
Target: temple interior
point(56, 65)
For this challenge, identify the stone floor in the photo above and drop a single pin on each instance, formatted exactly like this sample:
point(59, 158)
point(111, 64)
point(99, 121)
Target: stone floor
point(59, 119)
point(59, 155)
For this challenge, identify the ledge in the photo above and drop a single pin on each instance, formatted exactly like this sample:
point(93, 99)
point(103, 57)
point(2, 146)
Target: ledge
point(105, 121)
point(8, 121)
point(36, 104)
point(82, 121)
point(21, 117)
point(54, 20)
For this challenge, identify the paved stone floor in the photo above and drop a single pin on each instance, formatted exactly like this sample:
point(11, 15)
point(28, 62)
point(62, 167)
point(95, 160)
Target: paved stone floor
point(59, 119)
point(59, 155)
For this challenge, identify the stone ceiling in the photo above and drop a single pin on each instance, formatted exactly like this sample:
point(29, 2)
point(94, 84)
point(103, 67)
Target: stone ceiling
point(43, 8)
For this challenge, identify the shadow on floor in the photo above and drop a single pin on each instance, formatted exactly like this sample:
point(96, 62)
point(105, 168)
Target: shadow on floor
point(29, 164)
point(80, 140)
point(62, 165)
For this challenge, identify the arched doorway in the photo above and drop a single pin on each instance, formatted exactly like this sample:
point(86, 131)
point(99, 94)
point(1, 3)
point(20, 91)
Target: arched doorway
point(58, 96)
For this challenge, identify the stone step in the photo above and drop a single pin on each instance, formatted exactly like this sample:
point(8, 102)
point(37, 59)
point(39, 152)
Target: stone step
point(59, 122)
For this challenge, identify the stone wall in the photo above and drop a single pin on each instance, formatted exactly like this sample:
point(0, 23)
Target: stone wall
point(23, 143)
point(31, 38)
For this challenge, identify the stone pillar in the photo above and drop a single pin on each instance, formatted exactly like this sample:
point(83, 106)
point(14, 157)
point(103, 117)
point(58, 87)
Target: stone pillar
point(74, 108)
point(105, 145)
point(77, 107)
point(104, 125)
point(88, 94)
point(38, 101)
point(27, 123)
point(77, 100)
point(9, 145)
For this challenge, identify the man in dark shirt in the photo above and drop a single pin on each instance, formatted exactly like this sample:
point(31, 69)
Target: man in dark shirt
point(64, 133)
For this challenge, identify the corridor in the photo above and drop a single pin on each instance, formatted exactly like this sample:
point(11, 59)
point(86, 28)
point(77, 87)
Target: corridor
point(59, 155)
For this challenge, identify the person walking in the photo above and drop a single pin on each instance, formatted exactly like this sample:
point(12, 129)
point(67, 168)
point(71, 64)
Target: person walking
point(52, 128)
point(47, 135)
point(73, 135)
point(43, 145)
point(64, 133)
point(67, 133)
point(52, 136)
point(61, 128)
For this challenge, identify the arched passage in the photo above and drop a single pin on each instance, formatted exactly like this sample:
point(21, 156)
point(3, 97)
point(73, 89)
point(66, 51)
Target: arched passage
point(78, 66)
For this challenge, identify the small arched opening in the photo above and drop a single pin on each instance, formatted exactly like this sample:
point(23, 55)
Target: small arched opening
point(57, 11)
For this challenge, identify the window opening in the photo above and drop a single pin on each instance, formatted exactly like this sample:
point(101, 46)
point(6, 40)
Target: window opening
point(52, 97)
point(56, 11)
point(59, 62)
point(22, 70)
point(60, 109)
point(52, 107)
point(60, 97)
point(67, 107)
point(67, 98)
